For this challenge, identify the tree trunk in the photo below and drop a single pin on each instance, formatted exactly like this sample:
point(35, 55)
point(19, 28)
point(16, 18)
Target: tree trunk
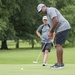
point(17, 44)
point(32, 40)
point(4, 44)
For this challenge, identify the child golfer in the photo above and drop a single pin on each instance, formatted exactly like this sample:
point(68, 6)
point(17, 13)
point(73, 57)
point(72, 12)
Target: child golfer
point(42, 32)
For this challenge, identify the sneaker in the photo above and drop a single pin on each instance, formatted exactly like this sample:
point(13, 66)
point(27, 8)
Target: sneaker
point(57, 66)
point(44, 64)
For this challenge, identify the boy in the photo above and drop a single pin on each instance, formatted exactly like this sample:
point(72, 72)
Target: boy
point(42, 32)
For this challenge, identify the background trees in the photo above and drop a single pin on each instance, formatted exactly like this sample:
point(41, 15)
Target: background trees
point(19, 19)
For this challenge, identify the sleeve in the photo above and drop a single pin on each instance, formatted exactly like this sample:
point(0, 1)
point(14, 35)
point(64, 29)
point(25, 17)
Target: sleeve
point(52, 13)
point(39, 28)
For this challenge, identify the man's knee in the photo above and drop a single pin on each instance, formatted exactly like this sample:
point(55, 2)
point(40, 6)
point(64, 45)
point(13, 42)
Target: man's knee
point(58, 45)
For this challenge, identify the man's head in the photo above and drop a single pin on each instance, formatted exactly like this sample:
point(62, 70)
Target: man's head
point(41, 8)
point(44, 19)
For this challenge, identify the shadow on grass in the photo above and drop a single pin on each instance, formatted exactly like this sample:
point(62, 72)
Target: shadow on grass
point(22, 48)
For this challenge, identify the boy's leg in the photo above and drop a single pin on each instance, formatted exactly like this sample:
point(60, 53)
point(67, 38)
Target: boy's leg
point(45, 56)
point(45, 53)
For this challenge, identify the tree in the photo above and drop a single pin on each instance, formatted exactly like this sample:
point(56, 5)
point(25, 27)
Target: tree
point(26, 21)
point(69, 14)
point(62, 3)
point(8, 9)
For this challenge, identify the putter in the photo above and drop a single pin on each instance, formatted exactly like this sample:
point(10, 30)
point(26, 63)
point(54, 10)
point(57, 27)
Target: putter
point(35, 62)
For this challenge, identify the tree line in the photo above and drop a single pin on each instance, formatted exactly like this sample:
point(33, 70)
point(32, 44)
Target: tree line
point(19, 19)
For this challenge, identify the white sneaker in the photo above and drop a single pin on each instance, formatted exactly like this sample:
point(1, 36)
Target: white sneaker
point(44, 64)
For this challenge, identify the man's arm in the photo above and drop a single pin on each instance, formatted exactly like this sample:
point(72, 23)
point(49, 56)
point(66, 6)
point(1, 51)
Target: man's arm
point(55, 22)
point(54, 34)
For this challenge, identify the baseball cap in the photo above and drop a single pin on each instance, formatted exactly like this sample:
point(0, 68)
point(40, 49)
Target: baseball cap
point(39, 7)
point(44, 18)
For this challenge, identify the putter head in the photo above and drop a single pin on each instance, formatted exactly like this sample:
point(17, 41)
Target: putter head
point(35, 62)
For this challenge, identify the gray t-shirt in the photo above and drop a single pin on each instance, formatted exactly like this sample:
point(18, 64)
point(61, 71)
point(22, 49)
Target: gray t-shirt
point(44, 30)
point(63, 24)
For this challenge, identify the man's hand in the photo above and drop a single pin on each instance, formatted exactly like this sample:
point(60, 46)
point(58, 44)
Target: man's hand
point(52, 41)
point(50, 35)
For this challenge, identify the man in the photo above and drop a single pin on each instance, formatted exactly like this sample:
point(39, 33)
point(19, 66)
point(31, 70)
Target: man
point(42, 32)
point(61, 27)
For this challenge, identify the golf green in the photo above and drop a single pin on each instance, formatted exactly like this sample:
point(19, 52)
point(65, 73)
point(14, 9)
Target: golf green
point(35, 69)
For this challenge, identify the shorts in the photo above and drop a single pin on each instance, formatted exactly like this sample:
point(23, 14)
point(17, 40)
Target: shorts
point(61, 37)
point(47, 47)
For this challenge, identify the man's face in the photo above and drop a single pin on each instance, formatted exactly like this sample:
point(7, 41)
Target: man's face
point(45, 21)
point(43, 10)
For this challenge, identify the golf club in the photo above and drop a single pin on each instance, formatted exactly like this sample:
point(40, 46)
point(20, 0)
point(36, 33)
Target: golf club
point(35, 62)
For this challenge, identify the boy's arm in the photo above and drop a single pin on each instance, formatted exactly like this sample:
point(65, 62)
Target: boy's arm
point(38, 33)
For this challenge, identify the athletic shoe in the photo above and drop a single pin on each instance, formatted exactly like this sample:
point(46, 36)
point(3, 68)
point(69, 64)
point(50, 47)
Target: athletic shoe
point(44, 64)
point(59, 66)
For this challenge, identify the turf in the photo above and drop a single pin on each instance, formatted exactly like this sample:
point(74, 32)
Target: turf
point(24, 56)
point(11, 62)
point(35, 69)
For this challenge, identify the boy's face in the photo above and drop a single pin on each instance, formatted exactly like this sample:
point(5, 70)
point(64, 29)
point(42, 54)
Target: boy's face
point(45, 21)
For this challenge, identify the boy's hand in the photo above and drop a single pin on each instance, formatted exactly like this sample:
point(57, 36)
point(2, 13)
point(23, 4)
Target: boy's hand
point(40, 37)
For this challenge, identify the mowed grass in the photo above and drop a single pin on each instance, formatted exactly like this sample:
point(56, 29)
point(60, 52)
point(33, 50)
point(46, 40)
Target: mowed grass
point(27, 56)
point(12, 61)
point(35, 69)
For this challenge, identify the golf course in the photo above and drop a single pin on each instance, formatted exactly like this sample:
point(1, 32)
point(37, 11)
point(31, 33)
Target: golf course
point(37, 37)
point(20, 62)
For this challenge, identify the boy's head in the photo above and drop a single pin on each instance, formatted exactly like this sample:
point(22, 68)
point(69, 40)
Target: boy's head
point(44, 19)
point(41, 8)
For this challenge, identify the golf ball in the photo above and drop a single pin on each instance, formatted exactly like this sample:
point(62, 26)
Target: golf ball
point(22, 69)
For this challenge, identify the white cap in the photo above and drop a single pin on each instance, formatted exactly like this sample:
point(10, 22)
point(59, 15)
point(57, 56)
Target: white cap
point(39, 7)
point(44, 18)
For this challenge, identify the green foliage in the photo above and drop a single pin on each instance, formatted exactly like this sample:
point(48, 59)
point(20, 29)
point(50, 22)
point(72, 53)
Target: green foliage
point(7, 9)
point(63, 3)
point(3, 28)
point(19, 18)
point(69, 14)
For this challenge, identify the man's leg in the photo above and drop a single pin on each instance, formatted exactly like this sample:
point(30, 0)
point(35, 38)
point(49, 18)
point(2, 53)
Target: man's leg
point(60, 39)
point(59, 52)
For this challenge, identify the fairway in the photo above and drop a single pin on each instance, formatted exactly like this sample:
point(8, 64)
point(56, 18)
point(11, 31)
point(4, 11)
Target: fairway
point(35, 69)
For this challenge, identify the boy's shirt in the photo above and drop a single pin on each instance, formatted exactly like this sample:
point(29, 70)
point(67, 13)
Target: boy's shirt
point(44, 30)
